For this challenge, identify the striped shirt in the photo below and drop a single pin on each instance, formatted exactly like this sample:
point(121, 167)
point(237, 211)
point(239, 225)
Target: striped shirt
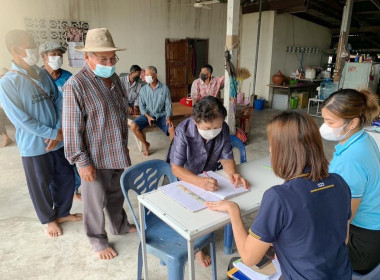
point(95, 121)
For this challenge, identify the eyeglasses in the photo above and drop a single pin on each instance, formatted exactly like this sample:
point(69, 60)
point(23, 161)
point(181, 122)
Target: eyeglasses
point(104, 61)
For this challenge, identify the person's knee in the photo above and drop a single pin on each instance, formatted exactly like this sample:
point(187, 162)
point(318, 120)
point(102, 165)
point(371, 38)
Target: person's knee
point(134, 127)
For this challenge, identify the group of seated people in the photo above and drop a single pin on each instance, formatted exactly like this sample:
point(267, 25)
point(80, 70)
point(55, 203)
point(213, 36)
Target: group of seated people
point(323, 221)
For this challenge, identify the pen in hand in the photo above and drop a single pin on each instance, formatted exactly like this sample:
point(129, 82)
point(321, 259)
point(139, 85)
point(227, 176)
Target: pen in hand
point(211, 184)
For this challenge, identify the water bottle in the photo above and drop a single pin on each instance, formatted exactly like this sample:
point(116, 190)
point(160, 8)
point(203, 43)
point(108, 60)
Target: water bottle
point(327, 88)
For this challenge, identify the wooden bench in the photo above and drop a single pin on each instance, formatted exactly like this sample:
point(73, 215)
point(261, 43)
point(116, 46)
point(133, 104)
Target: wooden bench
point(180, 112)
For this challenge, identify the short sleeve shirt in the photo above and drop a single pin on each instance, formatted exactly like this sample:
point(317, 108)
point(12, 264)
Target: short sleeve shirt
point(189, 150)
point(358, 162)
point(306, 222)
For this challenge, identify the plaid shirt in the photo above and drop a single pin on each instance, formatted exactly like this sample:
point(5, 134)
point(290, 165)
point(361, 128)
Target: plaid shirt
point(199, 89)
point(95, 121)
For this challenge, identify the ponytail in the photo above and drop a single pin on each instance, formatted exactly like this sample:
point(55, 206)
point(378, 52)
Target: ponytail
point(372, 107)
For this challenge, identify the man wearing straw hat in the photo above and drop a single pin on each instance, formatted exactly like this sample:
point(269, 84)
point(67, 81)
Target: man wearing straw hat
point(95, 125)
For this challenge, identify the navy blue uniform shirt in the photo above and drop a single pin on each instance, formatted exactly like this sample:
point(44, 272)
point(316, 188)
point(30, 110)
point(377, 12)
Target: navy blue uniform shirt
point(307, 223)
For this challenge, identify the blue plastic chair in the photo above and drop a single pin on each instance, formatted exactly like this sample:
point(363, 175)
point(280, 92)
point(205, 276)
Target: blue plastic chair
point(372, 275)
point(228, 234)
point(161, 240)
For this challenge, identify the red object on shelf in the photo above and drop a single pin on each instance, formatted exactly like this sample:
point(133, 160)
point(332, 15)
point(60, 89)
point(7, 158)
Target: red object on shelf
point(187, 101)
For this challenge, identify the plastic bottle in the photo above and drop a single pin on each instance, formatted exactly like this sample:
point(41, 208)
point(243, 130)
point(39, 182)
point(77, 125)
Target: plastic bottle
point(327, 88)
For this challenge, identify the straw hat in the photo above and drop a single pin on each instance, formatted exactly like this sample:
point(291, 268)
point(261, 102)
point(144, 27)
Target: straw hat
point(99, 40)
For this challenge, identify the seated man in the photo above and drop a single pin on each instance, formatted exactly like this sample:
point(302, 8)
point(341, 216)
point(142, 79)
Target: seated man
point(206, 84)
point(132, 84)
point(155, 106)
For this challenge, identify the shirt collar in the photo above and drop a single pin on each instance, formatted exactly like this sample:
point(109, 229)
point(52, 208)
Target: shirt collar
point(341, 148)
point(211, 80)
point(192, 128)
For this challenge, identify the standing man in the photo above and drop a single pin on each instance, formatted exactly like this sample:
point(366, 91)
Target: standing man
point(206, 84)
point(95, 125)
point(156, 108)
point(51, 53)
point(32, 103)
point(132, 85)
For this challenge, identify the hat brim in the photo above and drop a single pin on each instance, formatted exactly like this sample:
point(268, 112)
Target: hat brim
point(101, 49)
point(62, 49)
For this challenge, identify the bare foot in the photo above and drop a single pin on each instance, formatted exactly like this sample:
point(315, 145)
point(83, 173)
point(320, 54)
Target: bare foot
point(72, 217)
point(7, 141)
point(107, 254)
point(203, 259)
point(77, 196)
point(132, 229)
point(53, 229)
point(146, 149)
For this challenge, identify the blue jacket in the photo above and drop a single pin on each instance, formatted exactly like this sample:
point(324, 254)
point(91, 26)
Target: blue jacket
point(35, 117)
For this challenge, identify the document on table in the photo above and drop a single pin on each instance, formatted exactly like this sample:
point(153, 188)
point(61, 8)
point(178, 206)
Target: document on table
point(194, 198)
point(271, 272)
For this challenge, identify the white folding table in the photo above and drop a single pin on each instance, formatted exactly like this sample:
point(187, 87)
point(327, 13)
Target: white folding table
point(193, 225)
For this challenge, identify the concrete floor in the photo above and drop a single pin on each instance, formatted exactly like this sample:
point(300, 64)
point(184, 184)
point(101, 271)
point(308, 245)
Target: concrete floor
point(27, 253)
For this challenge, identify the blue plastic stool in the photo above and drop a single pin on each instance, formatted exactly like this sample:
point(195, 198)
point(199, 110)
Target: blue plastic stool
point(228, 234)
point(161, 240)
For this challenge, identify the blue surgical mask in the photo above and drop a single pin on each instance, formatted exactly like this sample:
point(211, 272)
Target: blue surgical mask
point(104, 71)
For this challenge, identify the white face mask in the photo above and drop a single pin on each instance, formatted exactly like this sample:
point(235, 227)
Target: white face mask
point(333, 134)
point(210, 133)
point(31, 57)
point(55, 62)
point(149, 79)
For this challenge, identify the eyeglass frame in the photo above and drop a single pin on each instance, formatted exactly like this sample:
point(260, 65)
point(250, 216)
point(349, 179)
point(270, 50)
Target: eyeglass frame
point(104, 61)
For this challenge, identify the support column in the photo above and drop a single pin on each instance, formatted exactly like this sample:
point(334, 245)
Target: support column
point(343, 39)
point(232, 44)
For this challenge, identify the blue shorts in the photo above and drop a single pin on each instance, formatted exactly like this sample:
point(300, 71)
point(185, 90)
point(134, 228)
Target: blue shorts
point(142, 122)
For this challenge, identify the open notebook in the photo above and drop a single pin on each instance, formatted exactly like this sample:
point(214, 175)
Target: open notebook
point(193, 197)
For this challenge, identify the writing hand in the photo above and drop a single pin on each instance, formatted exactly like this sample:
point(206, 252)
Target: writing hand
point(209, 184)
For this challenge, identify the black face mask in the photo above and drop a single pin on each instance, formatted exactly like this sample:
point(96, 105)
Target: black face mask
point(203, 77)
point(136, 78)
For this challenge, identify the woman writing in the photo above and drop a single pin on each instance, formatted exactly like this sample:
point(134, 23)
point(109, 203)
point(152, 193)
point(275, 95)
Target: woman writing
point(199, 143)
point(306, 217)
point(357, 160)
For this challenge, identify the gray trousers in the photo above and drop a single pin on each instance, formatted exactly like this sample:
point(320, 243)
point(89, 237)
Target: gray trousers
point(103, 193)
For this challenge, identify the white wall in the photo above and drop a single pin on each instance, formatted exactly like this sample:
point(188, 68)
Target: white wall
point(277, 32)
point(139, 25)
point(293, 31)
point(248, 51)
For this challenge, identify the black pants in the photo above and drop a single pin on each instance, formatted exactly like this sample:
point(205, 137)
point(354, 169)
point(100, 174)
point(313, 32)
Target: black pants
point(50, 179)
point(363, 249)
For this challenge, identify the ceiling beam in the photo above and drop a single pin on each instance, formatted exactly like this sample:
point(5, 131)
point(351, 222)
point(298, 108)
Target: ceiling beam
point(273, 5)
point(363, 29)
point(368, 12)
point(376, 3)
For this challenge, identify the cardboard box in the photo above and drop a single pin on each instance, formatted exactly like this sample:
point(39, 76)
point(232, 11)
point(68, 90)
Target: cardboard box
point(303, 99)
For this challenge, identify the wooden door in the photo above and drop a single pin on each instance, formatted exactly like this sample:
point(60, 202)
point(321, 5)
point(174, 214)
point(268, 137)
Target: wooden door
point(176, 68)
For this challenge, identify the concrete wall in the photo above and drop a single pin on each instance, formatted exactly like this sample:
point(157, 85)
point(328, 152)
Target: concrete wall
point(139, 25)
point(277, 32)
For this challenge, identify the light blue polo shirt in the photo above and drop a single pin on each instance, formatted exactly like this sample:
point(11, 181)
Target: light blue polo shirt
point(358, 162)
